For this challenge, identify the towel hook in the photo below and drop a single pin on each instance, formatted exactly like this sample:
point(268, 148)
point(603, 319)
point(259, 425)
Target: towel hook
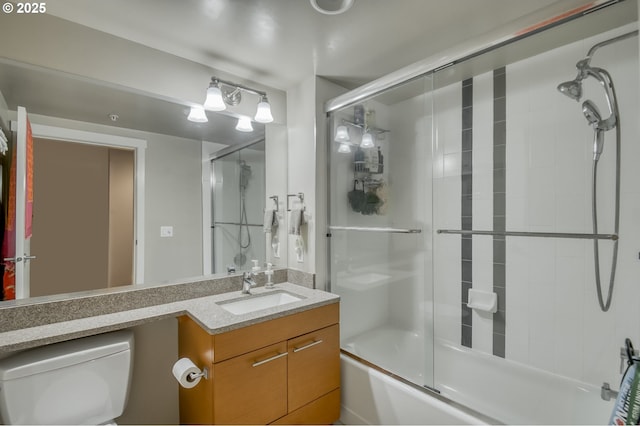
point(275, 200)
point(300, 196)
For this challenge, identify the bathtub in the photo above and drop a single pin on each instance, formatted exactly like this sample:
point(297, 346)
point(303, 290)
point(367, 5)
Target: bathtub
point(371, 397)
point(486, 389)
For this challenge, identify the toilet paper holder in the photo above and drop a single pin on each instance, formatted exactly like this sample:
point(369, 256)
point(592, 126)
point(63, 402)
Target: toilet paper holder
point(192, 377)
point(187, 373)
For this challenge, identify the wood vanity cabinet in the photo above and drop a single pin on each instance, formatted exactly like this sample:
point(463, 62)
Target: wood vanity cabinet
point(282, 371)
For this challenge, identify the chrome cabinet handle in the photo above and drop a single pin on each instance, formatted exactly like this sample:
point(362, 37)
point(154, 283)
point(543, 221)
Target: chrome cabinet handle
point(264, 361)
point(302, 348)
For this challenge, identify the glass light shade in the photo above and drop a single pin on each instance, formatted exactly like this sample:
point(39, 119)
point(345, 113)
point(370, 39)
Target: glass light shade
point(244, 124)
point(214, 101)
point(342, 134)
point(263, 113)
point(367, 140)
point(197, 115)
point(344, 148)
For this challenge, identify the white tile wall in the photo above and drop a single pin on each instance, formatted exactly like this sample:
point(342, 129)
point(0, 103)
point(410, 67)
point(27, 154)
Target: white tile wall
point(447, 103)
point(482, 204)
point(553, 319)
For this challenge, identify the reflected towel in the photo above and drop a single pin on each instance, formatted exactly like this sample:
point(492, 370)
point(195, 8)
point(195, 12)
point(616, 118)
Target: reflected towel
point(270, 223)
point(296, 216)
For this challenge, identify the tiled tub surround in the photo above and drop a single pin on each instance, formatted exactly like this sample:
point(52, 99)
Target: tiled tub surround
point(509, 153)
point(532, 172)
point(35, 324)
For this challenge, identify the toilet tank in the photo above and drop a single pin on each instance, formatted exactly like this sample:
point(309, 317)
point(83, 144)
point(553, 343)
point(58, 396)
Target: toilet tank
point(83, 381)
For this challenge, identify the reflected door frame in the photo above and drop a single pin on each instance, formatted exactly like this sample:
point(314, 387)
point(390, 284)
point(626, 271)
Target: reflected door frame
point(111, 141)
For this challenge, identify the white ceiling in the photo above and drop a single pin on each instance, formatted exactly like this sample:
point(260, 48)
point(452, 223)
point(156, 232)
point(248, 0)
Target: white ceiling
point(276, 43)
point(280, 42)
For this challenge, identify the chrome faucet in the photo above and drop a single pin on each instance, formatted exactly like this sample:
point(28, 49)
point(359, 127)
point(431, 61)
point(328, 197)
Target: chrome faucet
point(248, 282)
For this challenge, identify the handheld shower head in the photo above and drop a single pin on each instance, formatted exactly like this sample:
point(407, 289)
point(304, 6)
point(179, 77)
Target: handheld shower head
point(598, 143)
point(591, 113)
point(245, 174)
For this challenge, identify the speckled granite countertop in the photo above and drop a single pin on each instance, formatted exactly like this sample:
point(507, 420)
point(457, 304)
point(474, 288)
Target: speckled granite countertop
point(203, 310)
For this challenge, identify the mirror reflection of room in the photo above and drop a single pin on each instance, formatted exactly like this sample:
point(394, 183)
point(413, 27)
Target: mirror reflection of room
point(122, 192)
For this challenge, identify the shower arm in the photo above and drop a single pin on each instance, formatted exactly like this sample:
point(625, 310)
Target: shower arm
point(595, 47)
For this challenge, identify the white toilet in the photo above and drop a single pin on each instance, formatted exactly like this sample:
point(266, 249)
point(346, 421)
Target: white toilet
point(83, 381)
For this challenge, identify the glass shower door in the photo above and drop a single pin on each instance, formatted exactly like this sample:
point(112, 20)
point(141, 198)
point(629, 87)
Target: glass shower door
point(379, 222)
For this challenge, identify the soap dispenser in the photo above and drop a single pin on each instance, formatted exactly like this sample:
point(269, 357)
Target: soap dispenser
point(269, 274)
point(256, 267)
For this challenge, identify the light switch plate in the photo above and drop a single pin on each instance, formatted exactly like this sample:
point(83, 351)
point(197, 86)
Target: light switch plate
point(166, 231)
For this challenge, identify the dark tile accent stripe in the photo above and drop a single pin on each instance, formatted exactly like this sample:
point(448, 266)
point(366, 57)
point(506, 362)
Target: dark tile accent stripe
point(499, 206)
point(467, 208)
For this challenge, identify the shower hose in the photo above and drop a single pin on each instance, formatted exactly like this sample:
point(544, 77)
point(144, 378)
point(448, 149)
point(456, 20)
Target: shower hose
point(604, 305)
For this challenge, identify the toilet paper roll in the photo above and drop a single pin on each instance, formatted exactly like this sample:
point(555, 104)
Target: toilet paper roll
point(183, 370)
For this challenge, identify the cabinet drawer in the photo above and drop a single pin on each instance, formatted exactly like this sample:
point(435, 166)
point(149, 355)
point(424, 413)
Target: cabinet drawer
point(246, 339)
point(314, 365)
point(252, 388)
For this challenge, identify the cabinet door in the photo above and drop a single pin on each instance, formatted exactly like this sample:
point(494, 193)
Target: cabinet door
point(314, 366)
point(251, 388)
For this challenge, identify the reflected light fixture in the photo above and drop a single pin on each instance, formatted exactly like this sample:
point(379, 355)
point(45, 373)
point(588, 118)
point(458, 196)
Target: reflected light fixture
point(344, 148)
point(197, 115)
point(342, 134)
point(221, 94)
point(367, 140)
point(244, 124)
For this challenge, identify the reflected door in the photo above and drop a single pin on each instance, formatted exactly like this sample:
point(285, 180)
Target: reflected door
point(84, 199)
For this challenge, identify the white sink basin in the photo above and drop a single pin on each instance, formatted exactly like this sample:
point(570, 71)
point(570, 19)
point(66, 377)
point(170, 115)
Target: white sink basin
point(258, 302)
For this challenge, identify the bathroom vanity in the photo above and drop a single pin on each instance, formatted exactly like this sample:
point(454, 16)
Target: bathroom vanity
point(282, 371)
point(220, 329)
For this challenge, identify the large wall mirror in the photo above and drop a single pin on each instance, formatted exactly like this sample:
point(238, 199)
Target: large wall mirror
point(205, 186)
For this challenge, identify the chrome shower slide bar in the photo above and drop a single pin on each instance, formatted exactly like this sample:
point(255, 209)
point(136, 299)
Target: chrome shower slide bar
point(612, 237)
point(375, 229)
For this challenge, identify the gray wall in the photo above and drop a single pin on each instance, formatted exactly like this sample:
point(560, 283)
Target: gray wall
point(173, 197)
point(153, 397)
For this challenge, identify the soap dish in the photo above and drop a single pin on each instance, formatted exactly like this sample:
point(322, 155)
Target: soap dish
point(483, 301)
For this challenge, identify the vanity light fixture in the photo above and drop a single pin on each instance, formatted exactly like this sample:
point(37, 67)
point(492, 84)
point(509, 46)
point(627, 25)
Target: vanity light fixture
point(221, 94)
point(214, 100)
point(244, 124)
point(263, 112)
point(197, 115)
